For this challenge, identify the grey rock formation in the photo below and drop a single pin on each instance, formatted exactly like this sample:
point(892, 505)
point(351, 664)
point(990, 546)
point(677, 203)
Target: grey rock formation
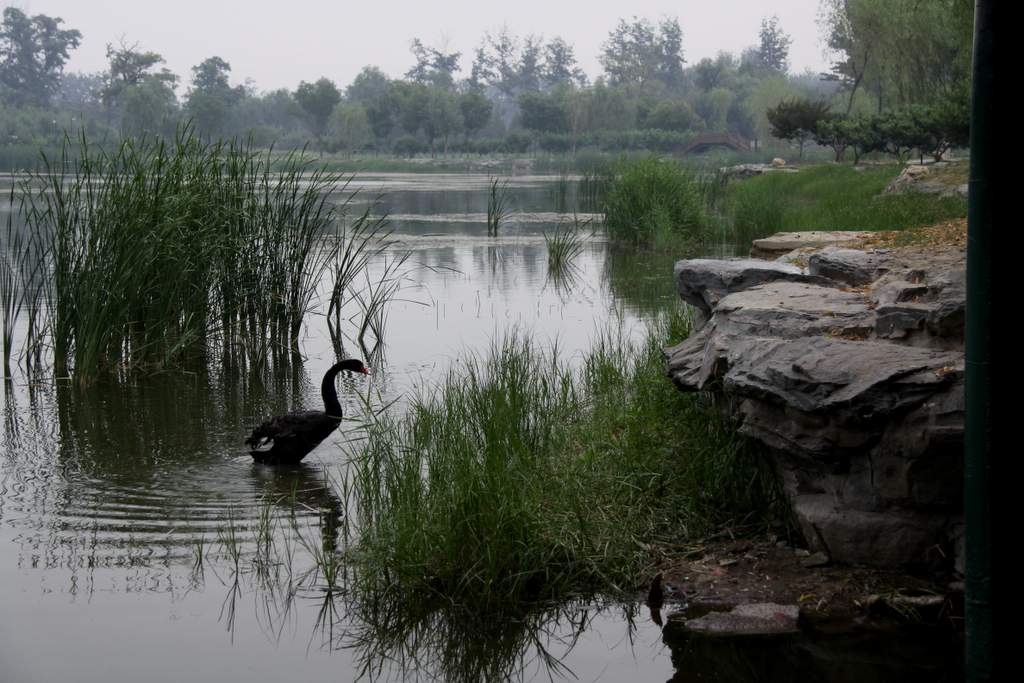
point(932, 178)
point(742, 171)
point(851, 373)
point(703, 282)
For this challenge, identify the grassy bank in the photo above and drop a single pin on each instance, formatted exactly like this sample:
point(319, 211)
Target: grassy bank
point(520, 477)
point(831, 197)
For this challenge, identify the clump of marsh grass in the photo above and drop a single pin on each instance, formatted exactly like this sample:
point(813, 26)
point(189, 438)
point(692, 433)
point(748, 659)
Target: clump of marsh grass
point(654, 202)
point(161, 252)
point(521, 476)
point(498, 208)
point(565, 242)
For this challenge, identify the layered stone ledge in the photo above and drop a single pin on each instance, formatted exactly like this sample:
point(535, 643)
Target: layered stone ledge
point(850, 371)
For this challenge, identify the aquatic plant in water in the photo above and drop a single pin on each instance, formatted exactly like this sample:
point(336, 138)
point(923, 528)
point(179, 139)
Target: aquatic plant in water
point(654, 202)
point(164, 252)
point(497, 205)
point(523, 477)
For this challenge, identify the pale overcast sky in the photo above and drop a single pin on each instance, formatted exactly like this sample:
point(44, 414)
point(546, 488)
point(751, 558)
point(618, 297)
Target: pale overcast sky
point(279, 43)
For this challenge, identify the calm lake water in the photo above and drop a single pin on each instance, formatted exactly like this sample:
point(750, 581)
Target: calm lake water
point(109, 498)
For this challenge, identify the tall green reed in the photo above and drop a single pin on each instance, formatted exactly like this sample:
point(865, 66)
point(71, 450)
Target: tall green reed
point(497, 205)
point(525, 476)
point(564, 244)
point(654, 202)
point(167, 251)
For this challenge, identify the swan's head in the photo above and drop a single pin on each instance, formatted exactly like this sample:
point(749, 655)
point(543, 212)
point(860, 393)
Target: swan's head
point(354, 365)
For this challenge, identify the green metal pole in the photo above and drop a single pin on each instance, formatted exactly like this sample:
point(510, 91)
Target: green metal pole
point(978, 498)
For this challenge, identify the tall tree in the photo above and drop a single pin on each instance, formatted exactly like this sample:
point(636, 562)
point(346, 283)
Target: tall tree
point(318, 100)
point(629, 55)
point(131, 67)
point(900, 51)
point(495, 63)
point(670, 53)
point(369, 84)
point(709, 74)
point(476, 111)
point(80, 91)
point(382, 112)
point(350, 127)
point(560, 67)
point(637, 54)
point(444, 117)
point(211, 97)
point(413, 103)
point(148, 108)
point(543, 113)
point(773, 52)
point(433, 66)
point(529, 70)
point(509, 64)
point(33, 51)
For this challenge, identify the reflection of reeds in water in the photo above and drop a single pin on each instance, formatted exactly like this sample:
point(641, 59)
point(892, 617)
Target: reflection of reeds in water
point(497, 205)
point(592, 188)
point(455, 644)
point(561, 192)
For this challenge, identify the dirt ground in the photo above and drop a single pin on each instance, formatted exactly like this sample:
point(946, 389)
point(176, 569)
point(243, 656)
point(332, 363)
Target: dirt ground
point(721, 574)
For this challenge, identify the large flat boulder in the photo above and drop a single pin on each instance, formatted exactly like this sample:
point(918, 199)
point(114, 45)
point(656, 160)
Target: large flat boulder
point(754, 619)
point(702, 283)
point(784, 242)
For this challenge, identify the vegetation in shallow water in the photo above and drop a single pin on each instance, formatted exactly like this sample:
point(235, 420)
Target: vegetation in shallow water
point(161, 252)
point(497, 205)
point(654, 202)
point(520, 477)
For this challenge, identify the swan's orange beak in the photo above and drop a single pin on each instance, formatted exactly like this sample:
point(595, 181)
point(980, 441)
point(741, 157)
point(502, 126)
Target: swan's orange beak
point(365, 371)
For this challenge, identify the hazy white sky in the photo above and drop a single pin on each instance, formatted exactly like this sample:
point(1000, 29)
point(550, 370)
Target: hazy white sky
point(281, 42)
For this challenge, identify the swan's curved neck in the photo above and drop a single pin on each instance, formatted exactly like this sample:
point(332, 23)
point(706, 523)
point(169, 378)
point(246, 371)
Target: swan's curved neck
point(331, 404)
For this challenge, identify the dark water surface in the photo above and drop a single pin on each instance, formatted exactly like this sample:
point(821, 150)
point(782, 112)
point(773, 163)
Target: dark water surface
point(138, 540)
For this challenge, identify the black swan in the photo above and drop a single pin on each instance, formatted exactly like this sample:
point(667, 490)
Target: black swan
point(294, 435)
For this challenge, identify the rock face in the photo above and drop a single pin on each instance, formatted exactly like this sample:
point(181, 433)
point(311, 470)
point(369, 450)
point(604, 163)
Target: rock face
point(851, 373)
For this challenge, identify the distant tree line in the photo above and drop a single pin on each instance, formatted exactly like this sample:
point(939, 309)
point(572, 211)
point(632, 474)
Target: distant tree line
point(521, 92)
